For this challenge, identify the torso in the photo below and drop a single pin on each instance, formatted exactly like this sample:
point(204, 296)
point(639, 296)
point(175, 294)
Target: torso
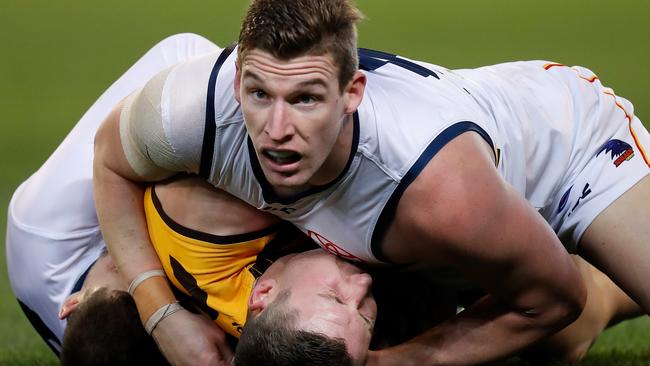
point(409, 112)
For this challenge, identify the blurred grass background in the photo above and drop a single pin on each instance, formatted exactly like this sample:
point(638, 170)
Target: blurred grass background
point(57, 57)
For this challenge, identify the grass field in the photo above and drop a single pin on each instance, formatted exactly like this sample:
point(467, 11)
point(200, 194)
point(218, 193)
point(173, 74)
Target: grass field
point(57, 57)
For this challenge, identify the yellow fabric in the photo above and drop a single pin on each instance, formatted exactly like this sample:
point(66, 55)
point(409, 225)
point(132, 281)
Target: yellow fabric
point(219, 274)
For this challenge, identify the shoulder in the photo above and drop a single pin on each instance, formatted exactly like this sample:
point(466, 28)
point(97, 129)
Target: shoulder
point(448, 204)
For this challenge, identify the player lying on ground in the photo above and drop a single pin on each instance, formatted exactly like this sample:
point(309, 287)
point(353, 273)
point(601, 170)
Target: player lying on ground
point(90, 339)
point(482, 173)
point(53, 240)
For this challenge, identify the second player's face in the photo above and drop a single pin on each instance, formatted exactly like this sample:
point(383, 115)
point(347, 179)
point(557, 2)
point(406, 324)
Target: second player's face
point(332, 297)
point(295, 115)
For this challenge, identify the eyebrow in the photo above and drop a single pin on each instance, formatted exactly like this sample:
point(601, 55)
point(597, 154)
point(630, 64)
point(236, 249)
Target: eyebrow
point(311, 82)
point(249, 74)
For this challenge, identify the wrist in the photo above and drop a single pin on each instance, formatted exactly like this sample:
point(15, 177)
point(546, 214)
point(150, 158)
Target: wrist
point(151, 291)
point(160, 314)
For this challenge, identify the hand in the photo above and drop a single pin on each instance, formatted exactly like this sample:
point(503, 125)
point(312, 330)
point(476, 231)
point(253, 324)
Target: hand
point(188, 339)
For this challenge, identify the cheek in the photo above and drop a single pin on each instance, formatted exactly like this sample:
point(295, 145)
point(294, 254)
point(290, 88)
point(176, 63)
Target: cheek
point(252, 121)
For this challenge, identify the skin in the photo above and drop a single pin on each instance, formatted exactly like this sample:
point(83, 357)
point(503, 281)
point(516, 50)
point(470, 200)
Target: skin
point(331, 296)
point(102, 274)
point(344, 306)
point(293, 108)
point(299, 121)
point(533, 292)
point(334, 296)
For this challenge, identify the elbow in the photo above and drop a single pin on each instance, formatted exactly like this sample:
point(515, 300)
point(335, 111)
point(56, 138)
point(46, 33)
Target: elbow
point(569, 311)
point(567, 308)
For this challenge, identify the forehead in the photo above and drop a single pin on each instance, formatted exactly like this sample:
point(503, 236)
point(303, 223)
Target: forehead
point(260, 65)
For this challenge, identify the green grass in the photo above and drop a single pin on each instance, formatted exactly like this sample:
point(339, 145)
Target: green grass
point(57, 57)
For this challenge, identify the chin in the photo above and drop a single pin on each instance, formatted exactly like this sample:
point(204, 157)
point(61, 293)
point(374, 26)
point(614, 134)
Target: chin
point(283, 183)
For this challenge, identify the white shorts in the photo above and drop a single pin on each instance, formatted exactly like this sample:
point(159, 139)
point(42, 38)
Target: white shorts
point(618, 148)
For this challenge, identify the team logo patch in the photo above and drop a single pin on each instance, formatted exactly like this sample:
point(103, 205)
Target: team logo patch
point(620, 151)
point(331, 247)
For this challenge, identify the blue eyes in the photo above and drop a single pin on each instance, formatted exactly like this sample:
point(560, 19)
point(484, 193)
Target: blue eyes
point(259, 94)
point(307, 99)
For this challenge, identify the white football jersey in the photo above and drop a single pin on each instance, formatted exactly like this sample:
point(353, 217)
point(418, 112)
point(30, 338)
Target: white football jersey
point(545, 122)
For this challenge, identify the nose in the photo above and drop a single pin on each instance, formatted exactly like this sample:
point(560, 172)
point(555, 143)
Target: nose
point(279, 127)
point(359, 287)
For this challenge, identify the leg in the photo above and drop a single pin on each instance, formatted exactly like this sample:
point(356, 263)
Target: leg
point(618, 242)
point(606, 305)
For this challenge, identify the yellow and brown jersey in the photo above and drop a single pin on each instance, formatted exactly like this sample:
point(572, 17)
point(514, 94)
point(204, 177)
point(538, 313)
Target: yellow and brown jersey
point(218, 272)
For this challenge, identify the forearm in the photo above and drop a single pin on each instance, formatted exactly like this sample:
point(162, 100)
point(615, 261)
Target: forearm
point(119, 204)
point(484, 332)
point(119, 201)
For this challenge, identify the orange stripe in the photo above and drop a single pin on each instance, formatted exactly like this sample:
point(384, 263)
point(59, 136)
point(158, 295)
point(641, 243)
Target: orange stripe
point(638, 145)
point(619, 105)
point(634, 136)
point(548, 66)
point(591, 79)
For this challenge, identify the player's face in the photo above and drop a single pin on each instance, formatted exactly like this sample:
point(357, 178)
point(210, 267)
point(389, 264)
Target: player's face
point(297, 117)
point(333, 297)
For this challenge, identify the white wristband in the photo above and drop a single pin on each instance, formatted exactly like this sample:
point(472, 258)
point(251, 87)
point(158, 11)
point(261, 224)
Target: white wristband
point(160, 314)
point(142, 277)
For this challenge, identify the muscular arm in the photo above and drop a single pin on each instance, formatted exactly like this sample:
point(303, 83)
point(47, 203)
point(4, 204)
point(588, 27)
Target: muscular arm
point(474, 223)
point(119, 203)
point(184, 338)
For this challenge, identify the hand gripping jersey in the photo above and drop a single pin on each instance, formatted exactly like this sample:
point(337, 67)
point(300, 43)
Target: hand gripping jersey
point(555, 132)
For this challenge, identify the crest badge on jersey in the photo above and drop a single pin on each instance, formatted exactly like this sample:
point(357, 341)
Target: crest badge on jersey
point(331, 247)
point(619, 151)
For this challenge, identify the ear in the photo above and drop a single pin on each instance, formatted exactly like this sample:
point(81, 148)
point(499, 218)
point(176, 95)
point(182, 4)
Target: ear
point(261, 296)
point(69, 305)
point(354, 91)
point(237, 82)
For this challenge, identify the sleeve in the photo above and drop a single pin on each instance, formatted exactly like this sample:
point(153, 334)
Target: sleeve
point(162, 124)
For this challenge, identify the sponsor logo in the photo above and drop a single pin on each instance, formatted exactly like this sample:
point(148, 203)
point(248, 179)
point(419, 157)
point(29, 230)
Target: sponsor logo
point(619, 151)
point(237, 327)
point(586, 191)
point(331, 247)
point(564, 200)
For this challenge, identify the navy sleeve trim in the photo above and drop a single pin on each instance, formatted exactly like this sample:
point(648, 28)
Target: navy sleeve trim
point(387, 214)
point(207, 151)
point(205, 237)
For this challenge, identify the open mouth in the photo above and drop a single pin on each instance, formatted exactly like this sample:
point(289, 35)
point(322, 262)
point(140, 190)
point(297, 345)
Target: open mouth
point(282, 157)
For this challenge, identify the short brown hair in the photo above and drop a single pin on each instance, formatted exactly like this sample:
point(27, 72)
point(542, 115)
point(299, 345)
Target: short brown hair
point(106, 330)
point(271, 339)
point(291, 28)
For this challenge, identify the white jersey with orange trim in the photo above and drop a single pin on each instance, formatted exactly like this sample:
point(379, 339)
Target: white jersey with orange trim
point(555, 132)
point(53, 235)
